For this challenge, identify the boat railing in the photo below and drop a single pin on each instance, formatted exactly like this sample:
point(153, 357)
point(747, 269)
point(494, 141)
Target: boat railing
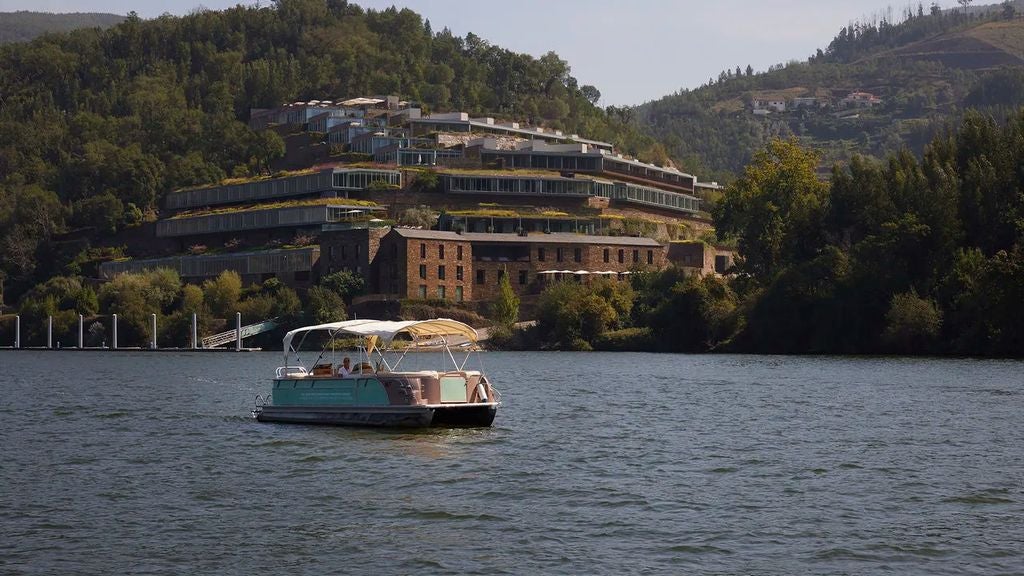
point(288, 371)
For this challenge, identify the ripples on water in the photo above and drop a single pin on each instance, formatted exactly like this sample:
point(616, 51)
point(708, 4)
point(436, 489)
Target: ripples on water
point(597, 464)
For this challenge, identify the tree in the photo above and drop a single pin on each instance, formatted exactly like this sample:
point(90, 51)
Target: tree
point(1009, 10)
point(572, 315)
point(134, 297)
point(325, 306)
point(696, 311)
point(105, 212)
point(775, 209)
point(590, 93)
point(505, 308)
point(222, 293)
point(344, 283)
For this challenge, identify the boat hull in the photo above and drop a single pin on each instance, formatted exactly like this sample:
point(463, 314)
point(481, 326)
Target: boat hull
point(415, 416)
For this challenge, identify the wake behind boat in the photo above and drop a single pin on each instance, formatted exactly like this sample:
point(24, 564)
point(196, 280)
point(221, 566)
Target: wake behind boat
point(376, 393)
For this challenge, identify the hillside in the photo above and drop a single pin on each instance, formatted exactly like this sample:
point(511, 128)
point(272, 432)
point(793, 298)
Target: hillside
point(96, 125)
point(918, 74)
point(24, 26)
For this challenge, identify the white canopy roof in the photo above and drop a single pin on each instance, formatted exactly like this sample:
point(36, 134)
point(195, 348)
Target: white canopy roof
point(386, 330)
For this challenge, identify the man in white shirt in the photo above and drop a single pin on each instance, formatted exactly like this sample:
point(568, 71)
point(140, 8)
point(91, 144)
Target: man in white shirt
point(344, 371)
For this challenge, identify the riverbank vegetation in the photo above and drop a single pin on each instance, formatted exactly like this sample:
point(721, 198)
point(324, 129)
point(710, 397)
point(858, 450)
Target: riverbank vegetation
point(906, 255)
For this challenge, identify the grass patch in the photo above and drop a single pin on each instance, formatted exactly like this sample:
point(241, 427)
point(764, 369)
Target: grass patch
point(272, 206)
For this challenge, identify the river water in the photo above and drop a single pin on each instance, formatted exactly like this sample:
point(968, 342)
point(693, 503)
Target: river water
point(149, 463)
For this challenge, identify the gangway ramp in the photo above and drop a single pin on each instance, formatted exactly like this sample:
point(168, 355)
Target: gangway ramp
point(232, 335)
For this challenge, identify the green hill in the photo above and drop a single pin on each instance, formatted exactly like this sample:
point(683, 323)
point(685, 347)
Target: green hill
point(24, 26)
point(923, 71)
point(97, 124)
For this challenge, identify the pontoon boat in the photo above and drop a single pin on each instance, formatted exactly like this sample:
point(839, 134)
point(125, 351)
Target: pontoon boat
point(376, 393)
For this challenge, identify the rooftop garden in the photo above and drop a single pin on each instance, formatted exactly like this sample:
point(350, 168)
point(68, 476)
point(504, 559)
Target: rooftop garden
point(492, 210)
point(273, 206)
point(251, 179)
point(511, 172)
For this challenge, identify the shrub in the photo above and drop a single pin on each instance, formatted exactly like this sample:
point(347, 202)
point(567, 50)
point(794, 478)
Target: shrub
point(625, 340)
point(912, 324)
point(423, 217)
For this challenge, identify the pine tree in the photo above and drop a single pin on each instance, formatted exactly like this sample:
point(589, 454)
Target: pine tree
point(505, 308)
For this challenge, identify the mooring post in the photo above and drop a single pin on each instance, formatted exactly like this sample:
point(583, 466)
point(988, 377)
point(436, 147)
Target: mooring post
point(152, 344)
point(81, 332)
point(238, 331)
point(114, 347)
point(49, 332)
point(195, 333)
point(17, 332)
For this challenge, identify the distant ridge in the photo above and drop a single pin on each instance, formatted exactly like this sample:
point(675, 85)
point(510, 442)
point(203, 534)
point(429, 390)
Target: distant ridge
point(914, 74)
point(24, 25)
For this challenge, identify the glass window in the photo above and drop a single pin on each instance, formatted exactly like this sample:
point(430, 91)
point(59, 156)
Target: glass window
point(523, 276)
point(650, 256)
point(481, 276)
point(423, 271)
point(423, 250)
point(458, 252)
point(440, 272)
point(636, 255)
point(458, 293)
point(558, 254)
point(440, 251)
point(606, 255)
point(441, 292)
point(423, 290)
point(577, 254)
point(622, 255)
point(458, 273)
point(540, 254)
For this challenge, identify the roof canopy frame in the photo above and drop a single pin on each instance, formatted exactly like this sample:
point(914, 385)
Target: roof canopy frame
point(386, 331)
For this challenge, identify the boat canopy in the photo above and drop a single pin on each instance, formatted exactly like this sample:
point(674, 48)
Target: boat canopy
point(386, 330)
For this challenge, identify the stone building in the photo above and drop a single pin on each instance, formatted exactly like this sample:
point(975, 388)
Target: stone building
point(418, 264)
point(700, 258)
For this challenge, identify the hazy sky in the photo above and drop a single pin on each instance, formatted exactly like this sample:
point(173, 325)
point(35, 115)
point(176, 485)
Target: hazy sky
point(632, 51)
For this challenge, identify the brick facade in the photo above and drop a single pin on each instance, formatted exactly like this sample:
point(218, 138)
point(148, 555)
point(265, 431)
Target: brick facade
point(412, 266)
point(353, 250)
point(416, 264)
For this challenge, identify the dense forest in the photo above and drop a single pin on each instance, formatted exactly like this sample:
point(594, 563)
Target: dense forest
point(96, 125)
point(925, 64)
point(903, 255)
point(24, 26)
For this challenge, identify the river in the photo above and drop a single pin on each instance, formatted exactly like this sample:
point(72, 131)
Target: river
point(149, 463)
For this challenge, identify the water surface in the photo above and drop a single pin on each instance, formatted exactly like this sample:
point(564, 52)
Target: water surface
point(149, 463)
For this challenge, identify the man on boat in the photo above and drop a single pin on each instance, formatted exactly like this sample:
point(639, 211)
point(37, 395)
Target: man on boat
point(344, 370)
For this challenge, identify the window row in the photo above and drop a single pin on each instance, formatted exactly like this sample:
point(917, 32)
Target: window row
point(441, 272)
point(442, 292)
point(440, 251)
